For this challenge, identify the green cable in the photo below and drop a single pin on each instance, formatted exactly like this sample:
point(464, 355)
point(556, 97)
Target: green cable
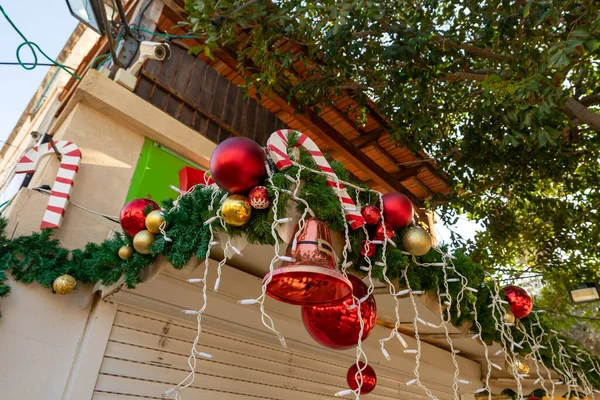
point(164, 34)
point(33, 46)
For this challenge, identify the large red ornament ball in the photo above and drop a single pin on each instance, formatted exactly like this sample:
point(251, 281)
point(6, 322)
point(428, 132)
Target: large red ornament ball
point(259, 198)
point(238, 164)
point(335, 326)
point(369, 378)
point(520, 301)
point(379, 235)
point(132, 216)
point(371, 214)
point(397, 210)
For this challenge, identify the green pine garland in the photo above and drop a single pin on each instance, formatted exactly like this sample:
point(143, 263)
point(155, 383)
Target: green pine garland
point(40, 258)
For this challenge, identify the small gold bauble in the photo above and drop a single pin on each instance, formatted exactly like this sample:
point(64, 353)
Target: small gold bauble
point(417, 241)
point(125, 252)
point(521, 366)
point(142, 242)
point(236, 210)
point(509, 317)
point(64, 284)
point(154, 220)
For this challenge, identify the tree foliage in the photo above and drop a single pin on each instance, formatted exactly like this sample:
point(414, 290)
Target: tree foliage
point(501, 93)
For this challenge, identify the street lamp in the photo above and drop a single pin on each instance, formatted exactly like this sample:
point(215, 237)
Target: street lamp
point(585, 293)
point(87, 12)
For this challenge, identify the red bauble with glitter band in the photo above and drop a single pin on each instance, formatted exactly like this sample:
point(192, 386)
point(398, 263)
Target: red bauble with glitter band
point(335, 326)
point(238, 164)
point(259, 198)
point(132, 217)
point(520, 301)
point(369, 378)
point(397, 210)
point(371, 214)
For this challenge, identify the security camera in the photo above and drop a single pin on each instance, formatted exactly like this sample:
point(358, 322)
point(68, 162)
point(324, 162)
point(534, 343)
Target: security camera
point(35, 135)
point(155, 51)
point(148, 50)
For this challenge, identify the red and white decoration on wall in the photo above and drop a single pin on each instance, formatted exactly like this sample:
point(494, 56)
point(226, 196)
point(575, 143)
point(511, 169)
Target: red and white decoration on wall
point(61, 189)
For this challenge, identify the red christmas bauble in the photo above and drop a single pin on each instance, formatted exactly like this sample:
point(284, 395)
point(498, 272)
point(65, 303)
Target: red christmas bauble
point(368, 249)
point(520, 301)
point(132, 216)
point(238, 164)
point(335, 326)
point(369, 378)
point(379, 235)
point(371, 214)
point(259, 198)
point(397, 210)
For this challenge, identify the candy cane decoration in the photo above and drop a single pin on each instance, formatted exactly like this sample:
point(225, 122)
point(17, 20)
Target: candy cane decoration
point(277, 146)
point(59, 197)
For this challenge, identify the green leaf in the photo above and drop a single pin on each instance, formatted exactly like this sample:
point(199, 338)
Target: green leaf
point(591, 45)
point(527, 9)
point(580, 33)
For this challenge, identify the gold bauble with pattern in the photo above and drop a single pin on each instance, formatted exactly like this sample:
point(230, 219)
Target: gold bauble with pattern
point(125, 252)
point(142, 241)
point(417, 241)
point(64, 284)
point(154, 220)
point(236, 210)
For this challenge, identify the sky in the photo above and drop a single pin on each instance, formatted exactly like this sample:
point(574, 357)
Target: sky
point(45, 22)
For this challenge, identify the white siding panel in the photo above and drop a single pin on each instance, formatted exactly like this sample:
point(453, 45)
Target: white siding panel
point(148, 353)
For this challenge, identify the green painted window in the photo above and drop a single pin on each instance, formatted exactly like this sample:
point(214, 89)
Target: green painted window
point(157, 169)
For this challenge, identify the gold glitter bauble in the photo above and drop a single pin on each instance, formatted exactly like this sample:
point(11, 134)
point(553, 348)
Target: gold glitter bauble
point(509, 317)
point(142, 242)
point(64, 284)
point(417, 241)
point(154, 220)
point(236, 210)
point(125, 253)
point(521, 366)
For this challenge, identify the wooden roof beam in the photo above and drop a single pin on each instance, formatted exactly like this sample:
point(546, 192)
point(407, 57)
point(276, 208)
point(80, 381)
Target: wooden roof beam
point(360, 142)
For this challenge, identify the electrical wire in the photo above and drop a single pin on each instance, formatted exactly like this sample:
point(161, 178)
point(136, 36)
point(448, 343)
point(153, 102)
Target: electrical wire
point(33, 47)
point(44, 189)
point(38, 64)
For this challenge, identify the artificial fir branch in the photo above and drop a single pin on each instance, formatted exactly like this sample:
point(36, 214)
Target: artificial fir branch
point(40, 258)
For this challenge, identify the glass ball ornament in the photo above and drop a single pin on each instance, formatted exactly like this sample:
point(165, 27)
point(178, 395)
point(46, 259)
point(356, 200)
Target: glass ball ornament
point(379, 232)
point(509, 317)
point(520, 301)
point(64, 284)
point(368, 249)
point(125, 252)
point(142, 241)
point(335, 326)
point(154, 220)
point(236, 210)
point(371, 214)
point(519, 365)
point(238, 164)
point(259, 198)
point(369, 378)
point(397, 210)
point(132, 217)
point(417, 241)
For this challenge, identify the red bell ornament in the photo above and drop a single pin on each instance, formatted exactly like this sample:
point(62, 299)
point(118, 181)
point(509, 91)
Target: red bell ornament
point(132, 216)
point(397, 210)
point(308, 275)
point(520, 301)
point(238, 164)
point(368, 376)
point(335, 326)
point(371, 214)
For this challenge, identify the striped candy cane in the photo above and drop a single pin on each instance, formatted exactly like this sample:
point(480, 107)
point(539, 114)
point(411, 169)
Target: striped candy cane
point(59, 197)
point(277, 146)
